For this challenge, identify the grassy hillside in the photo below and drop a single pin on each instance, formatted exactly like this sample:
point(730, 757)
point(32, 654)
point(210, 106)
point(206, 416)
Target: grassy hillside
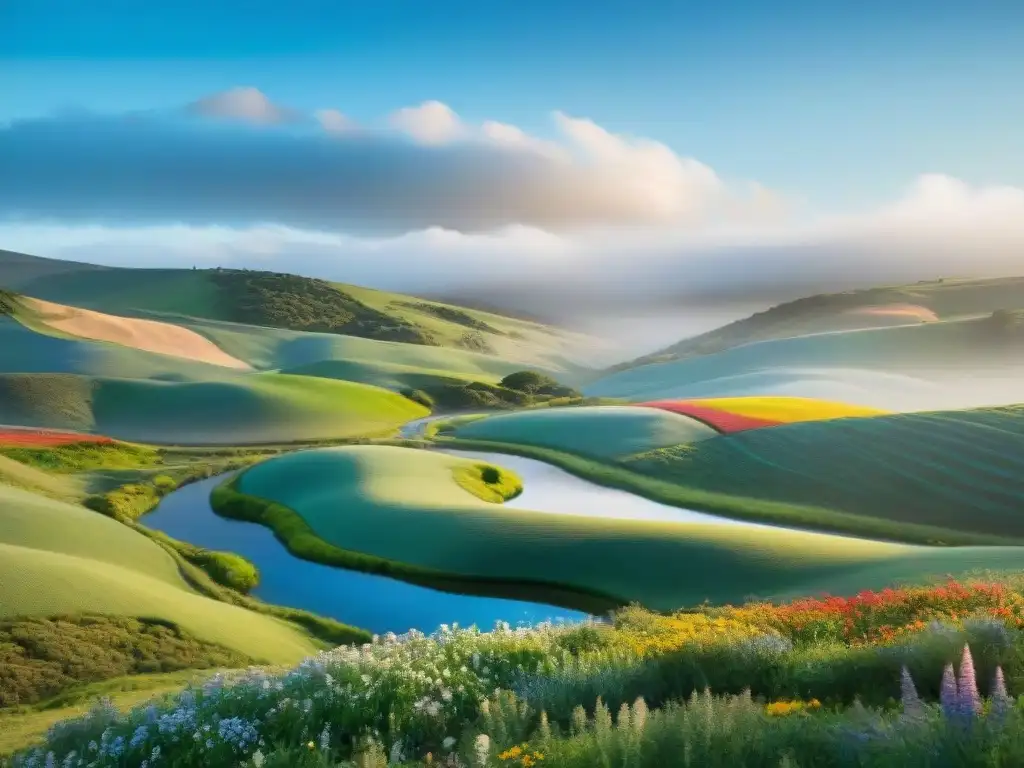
point(280, 301)
point(847, 361)
point(605, 431)
point(59, 559)
point(962, 470)
point(27, 351)
point(349, 497)
point(884, 306)
point(249, 409)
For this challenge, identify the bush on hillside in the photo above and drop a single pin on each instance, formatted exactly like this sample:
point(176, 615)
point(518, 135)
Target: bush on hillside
point(418, 396)
point(226, 568)
point(7, 302)
point(164, 484)
point(40, 657)
point(451, 314)
point(537, 384)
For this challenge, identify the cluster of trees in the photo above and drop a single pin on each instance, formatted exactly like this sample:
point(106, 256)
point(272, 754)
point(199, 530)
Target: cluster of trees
point(518, 389)
point(452, 315)
point(306, 304)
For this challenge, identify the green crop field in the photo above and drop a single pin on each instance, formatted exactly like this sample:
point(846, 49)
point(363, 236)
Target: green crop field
point(351, 498)
point(605, 431)
point(960, 470)
point(250, 409)
point(56, 559)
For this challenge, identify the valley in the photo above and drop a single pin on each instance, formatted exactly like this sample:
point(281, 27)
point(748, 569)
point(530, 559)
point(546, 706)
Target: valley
point(232, 468)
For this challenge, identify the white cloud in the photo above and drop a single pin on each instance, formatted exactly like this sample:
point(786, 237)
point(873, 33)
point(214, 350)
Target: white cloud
point(431, 123)
point(333, 121)
point(245, 103)
point(941, 227)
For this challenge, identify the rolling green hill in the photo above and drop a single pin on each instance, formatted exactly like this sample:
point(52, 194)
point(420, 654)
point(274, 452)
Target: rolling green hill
point(350, 498)
point(280, 301)
point(898, 358)
point(603, 432)
point(59, 559)
point(28, 351)
point(249, 409)
point(959, 470)
point(934, 300)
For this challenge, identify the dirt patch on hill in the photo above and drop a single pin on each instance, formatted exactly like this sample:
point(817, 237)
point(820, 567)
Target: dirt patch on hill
point(898, 311)
point(146, 335)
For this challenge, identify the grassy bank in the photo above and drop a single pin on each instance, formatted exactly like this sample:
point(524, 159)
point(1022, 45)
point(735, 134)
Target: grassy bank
point(803, 516)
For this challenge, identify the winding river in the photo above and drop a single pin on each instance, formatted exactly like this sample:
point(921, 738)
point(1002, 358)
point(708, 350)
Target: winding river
point(381, 604)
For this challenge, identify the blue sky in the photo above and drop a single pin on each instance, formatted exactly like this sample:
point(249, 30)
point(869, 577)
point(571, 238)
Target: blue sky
point(842, 103)
point(833, 143)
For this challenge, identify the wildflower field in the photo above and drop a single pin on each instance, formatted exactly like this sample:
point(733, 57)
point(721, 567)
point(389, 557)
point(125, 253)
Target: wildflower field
point(902, 677)
point(738, 414)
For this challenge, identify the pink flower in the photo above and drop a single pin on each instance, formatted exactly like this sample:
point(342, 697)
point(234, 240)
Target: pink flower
point(1001, 701)
point(967, 684)
point(912, 706)
point(948, 695)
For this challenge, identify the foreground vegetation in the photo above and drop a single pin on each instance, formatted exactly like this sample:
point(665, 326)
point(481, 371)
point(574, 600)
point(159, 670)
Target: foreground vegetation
point(879, 679)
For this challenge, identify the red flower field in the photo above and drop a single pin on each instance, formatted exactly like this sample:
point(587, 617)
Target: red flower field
point(44, 438)
point(723, 421)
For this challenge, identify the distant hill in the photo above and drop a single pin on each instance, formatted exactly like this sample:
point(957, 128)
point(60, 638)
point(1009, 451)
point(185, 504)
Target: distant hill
point(276, 300)
point(919, 303)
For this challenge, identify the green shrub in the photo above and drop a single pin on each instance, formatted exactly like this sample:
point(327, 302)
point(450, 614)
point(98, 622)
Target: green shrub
point(308, 304)
point(164, 484)
point(40, 657)
point(418, 396)
point(226, 568)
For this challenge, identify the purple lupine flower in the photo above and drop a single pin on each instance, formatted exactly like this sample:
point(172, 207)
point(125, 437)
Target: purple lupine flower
point(948, 695)
point(1001, 702)
point(967, 685)
point(912, 706)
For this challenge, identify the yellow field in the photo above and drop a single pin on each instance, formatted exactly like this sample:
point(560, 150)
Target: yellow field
point(787, 410)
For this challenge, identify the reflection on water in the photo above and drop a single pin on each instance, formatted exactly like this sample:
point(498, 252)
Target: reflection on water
point(550, 489)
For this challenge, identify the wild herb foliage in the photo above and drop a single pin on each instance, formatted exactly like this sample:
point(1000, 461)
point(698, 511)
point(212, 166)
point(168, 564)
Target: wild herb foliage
point(307, 304)
point(39, 658)
point(8, 302)
point(634, 693)
point(451, 314)
point(80, 457)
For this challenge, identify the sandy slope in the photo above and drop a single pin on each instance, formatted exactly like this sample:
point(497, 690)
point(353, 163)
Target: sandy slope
point(147, 335)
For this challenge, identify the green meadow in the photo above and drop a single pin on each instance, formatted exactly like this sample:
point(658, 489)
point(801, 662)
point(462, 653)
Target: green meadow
point(59, 559)
point(258, 408)
point(960, 470)
point(605, 432)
